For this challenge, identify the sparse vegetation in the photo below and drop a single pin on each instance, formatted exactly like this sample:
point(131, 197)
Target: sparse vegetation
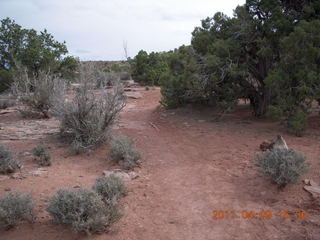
point(84, 210)
point(15, 207)
point(86, 119)
point(43, 154)
point(39, 93)
point(5, 103)
point(122, 149)
point(8, 164)
point(111, 188)
point(282, 165)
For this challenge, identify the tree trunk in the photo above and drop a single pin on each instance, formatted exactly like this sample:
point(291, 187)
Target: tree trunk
point(260, 102)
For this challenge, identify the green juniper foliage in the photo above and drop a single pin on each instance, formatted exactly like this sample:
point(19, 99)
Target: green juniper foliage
point(267, 52)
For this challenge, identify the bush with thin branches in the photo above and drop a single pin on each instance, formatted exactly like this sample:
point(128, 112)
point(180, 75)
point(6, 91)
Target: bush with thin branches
point(87, 118)
point(8, 164)
point(122, 149)
point(83, 209)
point(284, 166)
point(15, 207)
point(110, 188)
point(39, 92)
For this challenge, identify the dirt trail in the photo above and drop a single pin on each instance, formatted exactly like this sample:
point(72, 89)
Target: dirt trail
point(191, 167)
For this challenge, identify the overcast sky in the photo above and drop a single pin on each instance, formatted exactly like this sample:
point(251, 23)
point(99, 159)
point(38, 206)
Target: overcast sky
point(97, 29)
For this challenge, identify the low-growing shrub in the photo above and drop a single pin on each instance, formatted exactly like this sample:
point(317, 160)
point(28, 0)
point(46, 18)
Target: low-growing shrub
point(42, 152)
point(284, 166)
point(111, 188)
point(15, 207)
point(83, 209)
point(88, 117)
point(8, 164)
point(5, 103)
point(122, 149)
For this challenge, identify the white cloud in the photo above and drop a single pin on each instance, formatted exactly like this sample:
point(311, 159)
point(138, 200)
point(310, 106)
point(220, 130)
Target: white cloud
point(96, 29)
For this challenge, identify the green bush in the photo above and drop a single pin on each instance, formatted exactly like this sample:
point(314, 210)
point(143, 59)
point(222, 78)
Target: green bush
point(15, 207)
point(148, 68)
point(275, 113)
point(42, 152)
point(284, 166)
point(297, 123)
point(122, 149)
point(8, 164)
point(83, 209)
point(6, 79)
point(110, 188)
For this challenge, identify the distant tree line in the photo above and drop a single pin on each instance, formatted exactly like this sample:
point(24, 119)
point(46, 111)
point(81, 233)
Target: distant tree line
point(33, 51)
point(268, 52)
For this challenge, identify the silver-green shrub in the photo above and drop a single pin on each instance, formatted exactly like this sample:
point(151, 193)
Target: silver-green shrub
point(284, 166)
point(87, 118)
point(8, 164)
point(110, 188)
point(122, 149)
point(83, 209)
point(42, 152)
point(15, 207)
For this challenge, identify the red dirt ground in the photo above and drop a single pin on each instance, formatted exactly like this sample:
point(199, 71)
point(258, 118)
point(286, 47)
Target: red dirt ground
point(191, 166)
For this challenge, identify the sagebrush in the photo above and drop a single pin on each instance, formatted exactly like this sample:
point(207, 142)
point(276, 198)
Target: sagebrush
point(87, 118)
point(8, 164)
point(43, 154)
point(15, 207)
point(122, 149)
point(111, 188)
point(84, 210)
point(284, 166)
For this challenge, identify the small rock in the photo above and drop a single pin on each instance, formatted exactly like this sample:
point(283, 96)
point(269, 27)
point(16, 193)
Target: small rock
point(18, 176)
point(122, 174)
point(38, 172)
point(265, 145)
point(26, 154)
point(7, 189)
point(77, 186)
point(134, 95)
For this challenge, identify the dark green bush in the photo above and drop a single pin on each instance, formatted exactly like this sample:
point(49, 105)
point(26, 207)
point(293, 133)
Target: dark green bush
point(284, 166)
point(111, 188)
point(84, 210)
point(122, 149)
point(15, 207)
point(148, 68)
point(6, 79)
point(297, 123)
point(42, 152)
point(8, 164)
